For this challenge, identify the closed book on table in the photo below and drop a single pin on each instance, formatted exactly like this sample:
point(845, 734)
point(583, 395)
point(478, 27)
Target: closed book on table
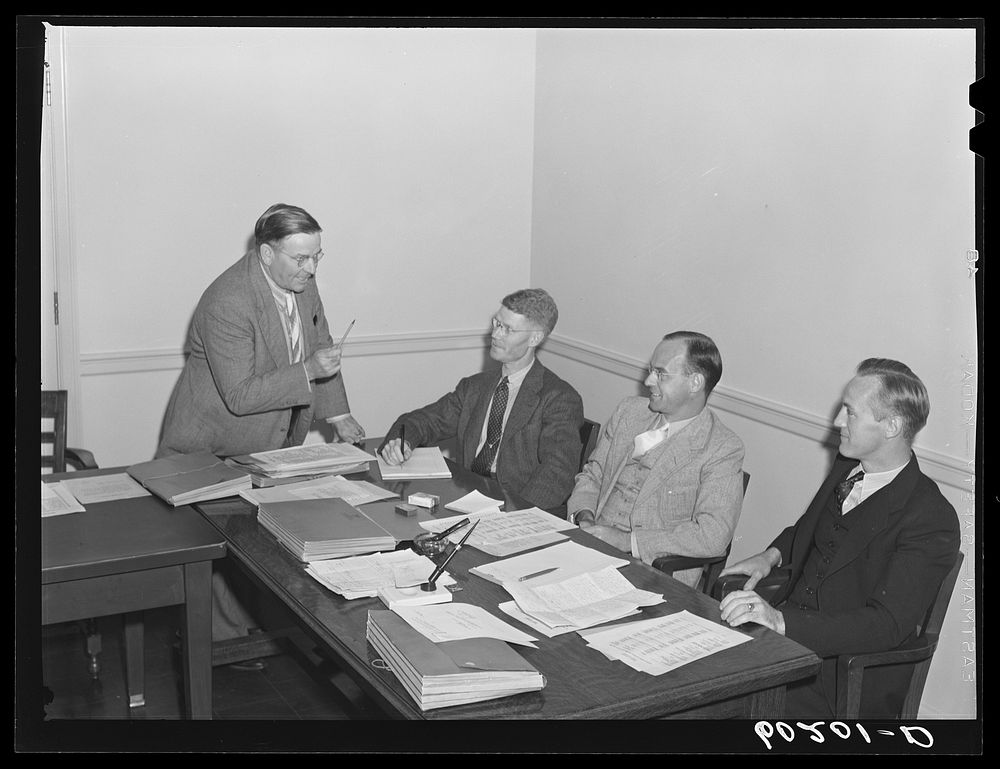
point(181, 479)
point(449, 673)
point(314, 529)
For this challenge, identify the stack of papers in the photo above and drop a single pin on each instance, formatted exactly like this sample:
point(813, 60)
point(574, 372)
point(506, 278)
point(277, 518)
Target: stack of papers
point(559, 606)
point(362, 576)
point(185, 478)
point(438, 675)
point(315, 529)
point(58, 500)
point(324, 487)
point(104, 488)
point(502, 534)
point(558, 561)
point(297, 461)
point(425, 462)
point(658, 645)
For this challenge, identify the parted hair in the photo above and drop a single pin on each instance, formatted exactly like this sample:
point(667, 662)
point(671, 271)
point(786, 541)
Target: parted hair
point(702, 356)
point(536, 305)
point(900, 392)
point(281, 220)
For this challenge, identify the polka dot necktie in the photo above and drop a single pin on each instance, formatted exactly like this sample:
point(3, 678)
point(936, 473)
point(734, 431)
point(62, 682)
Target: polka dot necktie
point(844, 488)
point(494, 430)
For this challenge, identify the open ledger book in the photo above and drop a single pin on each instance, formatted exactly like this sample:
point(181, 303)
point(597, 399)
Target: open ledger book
point(448, 673)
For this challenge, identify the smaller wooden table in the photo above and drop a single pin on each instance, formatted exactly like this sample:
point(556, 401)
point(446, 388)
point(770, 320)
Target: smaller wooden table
point(129, 555)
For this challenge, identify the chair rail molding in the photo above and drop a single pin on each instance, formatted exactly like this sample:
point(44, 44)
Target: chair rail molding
point(943, 468)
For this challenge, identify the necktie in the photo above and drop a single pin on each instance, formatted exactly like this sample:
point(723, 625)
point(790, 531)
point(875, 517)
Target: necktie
point(844, 488)
point(293, 328)
point(494, 430)
point(645, 441)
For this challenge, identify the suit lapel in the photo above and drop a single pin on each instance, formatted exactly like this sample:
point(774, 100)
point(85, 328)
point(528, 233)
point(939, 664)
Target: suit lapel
point(474, 428)
point(525, 402)
point(267, 313)
point(633, 423)
point(872, 515)
point(678, 451)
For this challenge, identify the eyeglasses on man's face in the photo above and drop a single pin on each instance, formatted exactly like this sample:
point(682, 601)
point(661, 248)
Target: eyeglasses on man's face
point(659, 373)
point(300, 261)
point(504, 329)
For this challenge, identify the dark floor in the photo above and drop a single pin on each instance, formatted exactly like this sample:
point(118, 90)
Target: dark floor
point(293, 685)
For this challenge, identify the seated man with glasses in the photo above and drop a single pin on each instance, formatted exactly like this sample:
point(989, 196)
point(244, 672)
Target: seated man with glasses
point(261, 364)
point(666, 476)
point(517, 422)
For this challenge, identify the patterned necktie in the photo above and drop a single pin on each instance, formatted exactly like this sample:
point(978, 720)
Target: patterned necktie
point(494, 429)
point(293, 328)
point(844, 488)
point(645, 441)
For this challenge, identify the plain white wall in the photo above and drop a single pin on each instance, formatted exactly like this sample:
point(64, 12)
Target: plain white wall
point(805, 197)
point(413, 149)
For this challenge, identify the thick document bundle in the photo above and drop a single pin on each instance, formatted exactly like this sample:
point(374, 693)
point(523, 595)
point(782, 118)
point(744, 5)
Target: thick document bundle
point(185, 478)
point(315, 529)
point(313, 460)
point(440, 675)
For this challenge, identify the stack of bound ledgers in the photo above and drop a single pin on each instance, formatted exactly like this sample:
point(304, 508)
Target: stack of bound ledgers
point(297, 462)
point(449, 673)
point(185, 478)
point(314, 529)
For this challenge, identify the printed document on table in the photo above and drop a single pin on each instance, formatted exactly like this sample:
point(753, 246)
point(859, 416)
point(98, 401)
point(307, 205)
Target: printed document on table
point(362, 576)
point(659, 645)
point(474, 502)
point(58, 500)
point(567, 558)
point(353, 492)
point(582, 600)
point(455, 621)
point(502, 534)
point(105, 488)
point(510, 608)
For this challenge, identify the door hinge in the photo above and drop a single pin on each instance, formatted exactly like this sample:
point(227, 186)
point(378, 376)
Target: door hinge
point(48, 85)
point(55, 306)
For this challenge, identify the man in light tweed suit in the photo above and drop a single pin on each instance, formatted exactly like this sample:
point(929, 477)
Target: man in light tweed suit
point(666, 475)
point(261, 363)
point(261, 367)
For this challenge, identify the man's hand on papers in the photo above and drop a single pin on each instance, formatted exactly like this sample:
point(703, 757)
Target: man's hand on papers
point(614, 537)
point(395, 452)
point(742, 606)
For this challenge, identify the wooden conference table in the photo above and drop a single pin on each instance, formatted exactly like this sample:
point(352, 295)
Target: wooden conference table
point(747, 681)
point(128, 555)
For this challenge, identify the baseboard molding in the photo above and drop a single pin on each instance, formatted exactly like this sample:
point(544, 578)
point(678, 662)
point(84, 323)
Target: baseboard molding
point(943, 468)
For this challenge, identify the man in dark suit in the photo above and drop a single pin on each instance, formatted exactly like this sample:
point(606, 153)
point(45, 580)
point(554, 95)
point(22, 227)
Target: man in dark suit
point(261, 363)
point(517, 422)
point(869, 553)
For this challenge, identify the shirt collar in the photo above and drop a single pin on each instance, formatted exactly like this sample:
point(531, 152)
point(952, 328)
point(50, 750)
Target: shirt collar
point(280, 294)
